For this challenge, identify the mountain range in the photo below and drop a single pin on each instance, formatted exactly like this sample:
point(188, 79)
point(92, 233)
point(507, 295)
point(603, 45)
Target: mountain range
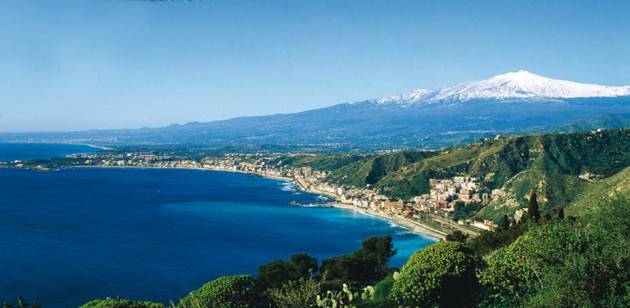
point(516, 102)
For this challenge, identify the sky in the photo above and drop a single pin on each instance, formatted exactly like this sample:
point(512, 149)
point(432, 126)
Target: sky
point(76, 65)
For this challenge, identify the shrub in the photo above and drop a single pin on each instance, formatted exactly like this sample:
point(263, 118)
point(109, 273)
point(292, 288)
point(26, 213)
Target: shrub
point(223, 292)
point(508, 278)
point(365, 266)
point(120, 303)
point(443, 274)
point(301, 293)
point(380, 298)
point(22, 303)
point(273, 274)
point(571, 264)
point(344, 298)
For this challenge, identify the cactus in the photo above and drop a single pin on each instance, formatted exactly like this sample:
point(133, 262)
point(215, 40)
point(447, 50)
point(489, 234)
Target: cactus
point(396, 275)
point(344, 298)
point(367, 293)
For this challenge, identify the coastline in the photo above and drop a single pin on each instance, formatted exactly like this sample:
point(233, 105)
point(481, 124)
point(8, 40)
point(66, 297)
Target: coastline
point(402, 222)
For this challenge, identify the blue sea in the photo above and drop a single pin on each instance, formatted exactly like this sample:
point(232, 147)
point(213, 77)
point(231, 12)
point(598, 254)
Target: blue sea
point(77, 234)
point(30, 151)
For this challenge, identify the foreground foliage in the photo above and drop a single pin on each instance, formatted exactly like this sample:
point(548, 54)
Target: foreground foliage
point(22, 303)
point(301, 293)
point(441, 275)
point(573, 263)
point(224, 292)
point(120, 303)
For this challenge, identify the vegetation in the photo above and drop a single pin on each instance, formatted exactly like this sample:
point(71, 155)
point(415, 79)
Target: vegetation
point(570, 263)
point(224, 292)
point(367, 265)
point(120, 303)
point(22, 303)
point(601, 192)
point(548, 165)
point(300, 293)
point(321, 162)
point(275, 273)
point(532, 209)
point(371, 169)
point(431, 277)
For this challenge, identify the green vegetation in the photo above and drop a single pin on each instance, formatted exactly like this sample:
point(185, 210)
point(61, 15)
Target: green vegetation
point(432, 276)
point(224, 292)
point(300, 293)
point(21, 303)
point(549, 165)
point(275, 273)
point(571, 263)
point(320, 162)
point(367, 265)
point(372, 169)
point(120, 303)
point(601, 192)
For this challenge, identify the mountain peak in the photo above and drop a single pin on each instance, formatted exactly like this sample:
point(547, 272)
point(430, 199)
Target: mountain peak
point(520, 75)
point(513, 85)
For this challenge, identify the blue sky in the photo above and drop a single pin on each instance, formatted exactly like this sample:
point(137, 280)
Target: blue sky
point(73, 65)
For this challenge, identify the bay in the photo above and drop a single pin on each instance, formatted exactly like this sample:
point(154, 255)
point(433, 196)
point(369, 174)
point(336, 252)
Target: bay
point(77, 234)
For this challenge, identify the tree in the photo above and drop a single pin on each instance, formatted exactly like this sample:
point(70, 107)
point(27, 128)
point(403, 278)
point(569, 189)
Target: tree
point(302, 266)
point(223, 292)
point(277, 272)
point(120, 303)
point(532, 210)
point(504, 224)
point(293, 294)
point(573, 263)
point(457, 236)
point(273, 274)
point(21, 303)
point(432, 275)
point(381, 249)
point(561, 214)
point(366, 265)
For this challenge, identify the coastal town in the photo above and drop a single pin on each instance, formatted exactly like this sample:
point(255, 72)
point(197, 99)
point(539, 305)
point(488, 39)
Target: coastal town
point(430, 213)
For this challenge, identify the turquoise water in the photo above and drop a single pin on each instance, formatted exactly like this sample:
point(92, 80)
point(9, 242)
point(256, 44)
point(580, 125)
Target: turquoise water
point(78, 234)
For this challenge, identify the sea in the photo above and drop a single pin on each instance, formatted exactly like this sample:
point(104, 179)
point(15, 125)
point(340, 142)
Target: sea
point(73, 235)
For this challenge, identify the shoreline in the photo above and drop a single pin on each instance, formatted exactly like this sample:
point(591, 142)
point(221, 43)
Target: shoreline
point(410, 225)
point(405, 223)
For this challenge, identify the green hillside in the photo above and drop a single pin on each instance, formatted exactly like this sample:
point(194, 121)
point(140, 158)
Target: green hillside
point(328, 162)
point(601, 192)
point(548, 164)
point(371, 170)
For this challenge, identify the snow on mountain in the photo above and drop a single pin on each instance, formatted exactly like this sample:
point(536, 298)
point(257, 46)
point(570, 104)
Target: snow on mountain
point(514, 85)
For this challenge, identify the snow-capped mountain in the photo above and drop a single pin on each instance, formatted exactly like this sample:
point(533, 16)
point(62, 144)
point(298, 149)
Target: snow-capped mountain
point(519, 102)
point(514, 85)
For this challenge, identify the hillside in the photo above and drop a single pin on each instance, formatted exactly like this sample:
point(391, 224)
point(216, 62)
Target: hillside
point(601, 192)
point(549, 164)
point(371, 170)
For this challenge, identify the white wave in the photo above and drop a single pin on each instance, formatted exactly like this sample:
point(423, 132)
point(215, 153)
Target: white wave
point(288, 186)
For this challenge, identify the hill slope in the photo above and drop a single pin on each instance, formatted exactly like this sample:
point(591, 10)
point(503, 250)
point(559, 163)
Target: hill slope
point(601, 192)
point(549, 164)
